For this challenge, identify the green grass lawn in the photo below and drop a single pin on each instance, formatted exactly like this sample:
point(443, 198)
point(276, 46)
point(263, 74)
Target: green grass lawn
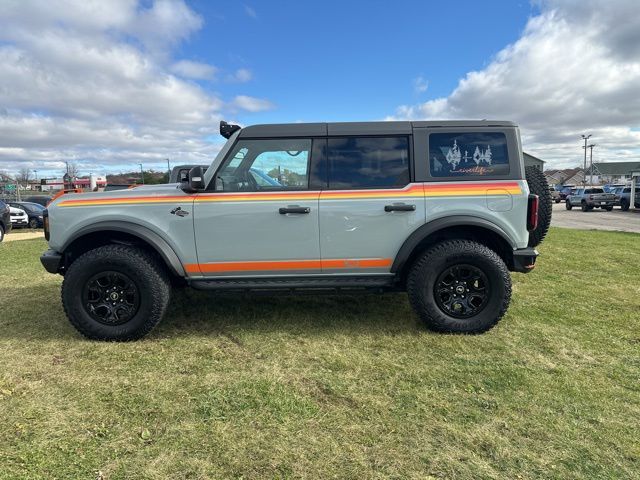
point(339, 386)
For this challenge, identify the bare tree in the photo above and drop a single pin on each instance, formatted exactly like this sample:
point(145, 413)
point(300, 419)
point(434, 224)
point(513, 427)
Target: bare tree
point(24, 175)
point(72, 169)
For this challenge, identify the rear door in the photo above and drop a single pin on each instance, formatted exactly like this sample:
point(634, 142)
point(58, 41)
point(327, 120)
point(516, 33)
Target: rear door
point(369, 206)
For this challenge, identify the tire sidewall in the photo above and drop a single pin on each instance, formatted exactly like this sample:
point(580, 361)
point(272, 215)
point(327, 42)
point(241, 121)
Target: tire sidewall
point(77, 277)
point(427, 276)
point(1, 233)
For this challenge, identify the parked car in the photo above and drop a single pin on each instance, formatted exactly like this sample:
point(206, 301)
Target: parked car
point(348, 212)
point(39, 199)
point(565, 191)
point(589, 198)
point(5, 220)
point(19, 217)
point(555, 195)
point(33, 210)
point(623, 197)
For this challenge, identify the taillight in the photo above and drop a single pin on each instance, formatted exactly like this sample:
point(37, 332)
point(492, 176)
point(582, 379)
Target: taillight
point(45, 223)
point(532, 212)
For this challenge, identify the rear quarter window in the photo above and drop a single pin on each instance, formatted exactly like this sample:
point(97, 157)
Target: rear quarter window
point(469, 154)
point(368, 162)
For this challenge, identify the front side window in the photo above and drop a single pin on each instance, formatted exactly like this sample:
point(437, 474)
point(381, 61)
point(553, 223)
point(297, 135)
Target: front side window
point(368, 162)
point(266, 165)
point(475, 154)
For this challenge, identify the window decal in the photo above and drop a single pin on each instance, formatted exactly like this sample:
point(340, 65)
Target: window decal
point(468, 154)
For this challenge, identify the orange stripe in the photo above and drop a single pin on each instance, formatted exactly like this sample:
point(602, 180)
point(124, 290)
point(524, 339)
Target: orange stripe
point(275, 265)
point(426, 189)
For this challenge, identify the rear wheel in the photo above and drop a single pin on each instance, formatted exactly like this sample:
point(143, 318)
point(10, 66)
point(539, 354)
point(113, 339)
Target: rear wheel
point(115, 292)
point(584, 207)
point(624, 205)
point(538, 186)
point(459, 286)
point(568, 205)
point(33, 223)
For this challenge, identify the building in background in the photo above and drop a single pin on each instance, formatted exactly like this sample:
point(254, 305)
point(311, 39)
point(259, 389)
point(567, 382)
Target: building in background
point(531, 161)
point(613, 172)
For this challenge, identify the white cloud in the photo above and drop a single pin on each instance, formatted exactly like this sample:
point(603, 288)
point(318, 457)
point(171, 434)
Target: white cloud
point(574, 70)
point(195, 70)
point(251, 104)
point(420, 84)
point(95, 82)
point(250, 11)
point(242, 75)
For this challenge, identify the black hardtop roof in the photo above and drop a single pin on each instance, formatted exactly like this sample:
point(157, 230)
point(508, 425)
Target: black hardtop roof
point(359, 128)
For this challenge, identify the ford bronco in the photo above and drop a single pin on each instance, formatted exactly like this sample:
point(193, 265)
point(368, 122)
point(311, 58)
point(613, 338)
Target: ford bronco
point(441, 210)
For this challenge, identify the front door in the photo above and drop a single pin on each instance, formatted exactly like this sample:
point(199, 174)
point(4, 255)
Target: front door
point(259, 218)
point(370, 206)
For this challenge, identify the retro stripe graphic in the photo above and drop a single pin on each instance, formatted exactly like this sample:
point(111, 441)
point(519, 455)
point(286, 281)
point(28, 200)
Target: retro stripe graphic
point(411, 190)
point(280, 265)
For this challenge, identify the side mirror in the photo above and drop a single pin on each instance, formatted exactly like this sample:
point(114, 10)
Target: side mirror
point(195, 182)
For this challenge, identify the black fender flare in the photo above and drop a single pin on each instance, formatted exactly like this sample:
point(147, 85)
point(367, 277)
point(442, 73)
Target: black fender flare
point(435, 226)
point(143, 233)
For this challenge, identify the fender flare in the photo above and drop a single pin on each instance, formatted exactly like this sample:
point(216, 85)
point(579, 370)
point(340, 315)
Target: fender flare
point(143, 233)
point(435, 226)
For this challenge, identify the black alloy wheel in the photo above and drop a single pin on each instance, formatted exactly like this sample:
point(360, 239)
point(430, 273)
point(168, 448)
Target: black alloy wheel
point(111, 298)
point(462, 291)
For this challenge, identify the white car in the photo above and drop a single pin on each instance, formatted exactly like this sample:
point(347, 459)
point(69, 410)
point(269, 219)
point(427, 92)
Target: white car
point(19, 218)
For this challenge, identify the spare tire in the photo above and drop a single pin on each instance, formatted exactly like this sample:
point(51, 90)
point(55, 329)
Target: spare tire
point(538, 186)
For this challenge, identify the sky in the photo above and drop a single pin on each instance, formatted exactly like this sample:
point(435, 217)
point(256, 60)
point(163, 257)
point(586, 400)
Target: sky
point(109, 85)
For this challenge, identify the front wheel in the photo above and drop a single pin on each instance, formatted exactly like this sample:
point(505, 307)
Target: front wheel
point(115, 293)
point(459, 286)
point(1, 233)
point(33, 223)
point(584, 207)
point(568, 205)
point(624, 205)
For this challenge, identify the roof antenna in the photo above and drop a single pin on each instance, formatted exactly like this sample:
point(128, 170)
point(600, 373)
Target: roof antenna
point(227, 129)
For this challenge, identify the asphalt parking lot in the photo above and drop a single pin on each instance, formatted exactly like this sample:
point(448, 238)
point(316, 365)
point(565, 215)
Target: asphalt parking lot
point(596, 219)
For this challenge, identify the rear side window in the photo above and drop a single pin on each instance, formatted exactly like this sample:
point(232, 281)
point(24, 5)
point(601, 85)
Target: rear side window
point(368, 162)
point(471, 154)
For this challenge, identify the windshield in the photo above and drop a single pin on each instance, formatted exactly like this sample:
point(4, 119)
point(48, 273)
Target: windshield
point(33, 207)
point(221, 154)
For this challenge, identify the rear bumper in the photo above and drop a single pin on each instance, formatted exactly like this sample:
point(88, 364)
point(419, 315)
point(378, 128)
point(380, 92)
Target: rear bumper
point(524, 259)
point(51, 261)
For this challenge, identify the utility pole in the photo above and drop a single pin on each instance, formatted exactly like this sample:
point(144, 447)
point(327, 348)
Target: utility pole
point(590, 147)
point(141, 173)
point(168, 171)
point(584, 177)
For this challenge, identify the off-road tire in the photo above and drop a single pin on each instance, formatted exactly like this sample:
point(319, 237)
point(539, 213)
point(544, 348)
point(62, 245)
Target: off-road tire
point(538, 185)
point(1, 233)
point(437, 259)
point(146, 272)
point(568, 205)
point(624, 205)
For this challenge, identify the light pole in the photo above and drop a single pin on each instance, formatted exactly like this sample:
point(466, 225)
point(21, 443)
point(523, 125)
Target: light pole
point(585, 138)
point(590, 147)
point(141, 173)
point(168, 171)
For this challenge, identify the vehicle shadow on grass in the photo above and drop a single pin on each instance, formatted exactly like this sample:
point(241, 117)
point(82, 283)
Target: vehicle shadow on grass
point(206, 314)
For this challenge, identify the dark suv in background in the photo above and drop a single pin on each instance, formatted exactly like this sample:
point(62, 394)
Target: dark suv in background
point(5, 220)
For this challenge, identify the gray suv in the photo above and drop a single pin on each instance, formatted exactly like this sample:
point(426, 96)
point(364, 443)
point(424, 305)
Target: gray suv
point(441, 210)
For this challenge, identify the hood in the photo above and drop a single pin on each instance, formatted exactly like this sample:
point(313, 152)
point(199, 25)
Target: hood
point(166, 189)
point(17, 210)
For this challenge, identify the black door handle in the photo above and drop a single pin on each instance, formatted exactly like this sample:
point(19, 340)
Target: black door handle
point(401, 207)
point(285, 210)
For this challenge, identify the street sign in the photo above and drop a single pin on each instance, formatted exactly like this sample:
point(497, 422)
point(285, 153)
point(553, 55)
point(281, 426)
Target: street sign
point(10, 187)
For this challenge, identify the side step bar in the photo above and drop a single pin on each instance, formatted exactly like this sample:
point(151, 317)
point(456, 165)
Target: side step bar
point(330, 284)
